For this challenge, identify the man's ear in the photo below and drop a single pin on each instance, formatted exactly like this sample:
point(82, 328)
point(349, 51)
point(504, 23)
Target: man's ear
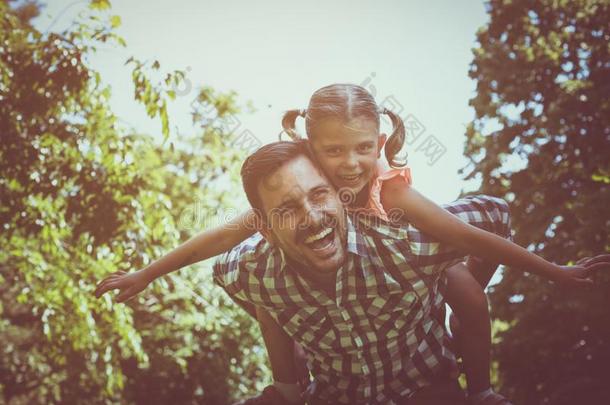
point(380, 142)
point(263, 227)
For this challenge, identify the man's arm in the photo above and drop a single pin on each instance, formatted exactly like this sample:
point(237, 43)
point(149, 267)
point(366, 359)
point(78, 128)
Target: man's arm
point(280, 348)
point(234, 272)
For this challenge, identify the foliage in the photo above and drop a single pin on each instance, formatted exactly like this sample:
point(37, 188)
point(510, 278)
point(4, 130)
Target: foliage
point(540, 139)
point(83, 197)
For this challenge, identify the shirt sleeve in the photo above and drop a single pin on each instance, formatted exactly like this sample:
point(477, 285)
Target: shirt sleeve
point(231, 275)
point(245, 273)
point(226, 273)
point(385, 173)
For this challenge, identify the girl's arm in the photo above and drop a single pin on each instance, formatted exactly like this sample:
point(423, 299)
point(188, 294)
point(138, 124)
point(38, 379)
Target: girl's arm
point(446, 227)
point(207, 244)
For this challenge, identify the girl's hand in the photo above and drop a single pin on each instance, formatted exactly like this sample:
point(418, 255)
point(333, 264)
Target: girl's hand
point(130, 284)
point(580, 274)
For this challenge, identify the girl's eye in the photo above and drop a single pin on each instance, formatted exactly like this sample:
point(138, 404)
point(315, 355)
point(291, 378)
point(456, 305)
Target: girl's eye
point(365, 148)
point(333, 151)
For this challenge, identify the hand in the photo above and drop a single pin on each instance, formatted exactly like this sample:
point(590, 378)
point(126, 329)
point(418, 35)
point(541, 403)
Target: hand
point(130, 284)
point(579, 275)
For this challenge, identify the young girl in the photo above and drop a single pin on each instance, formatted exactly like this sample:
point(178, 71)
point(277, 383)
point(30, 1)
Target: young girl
point(343, 126)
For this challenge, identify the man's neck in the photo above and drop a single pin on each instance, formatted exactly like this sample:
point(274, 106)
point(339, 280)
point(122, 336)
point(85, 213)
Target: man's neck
point(326, 282)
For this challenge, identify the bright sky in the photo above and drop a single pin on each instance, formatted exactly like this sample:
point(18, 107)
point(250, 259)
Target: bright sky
point(277, 53)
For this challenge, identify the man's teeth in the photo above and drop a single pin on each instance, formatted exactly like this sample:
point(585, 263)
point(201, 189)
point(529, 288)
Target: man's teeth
point(318, 236)
point(354, 177)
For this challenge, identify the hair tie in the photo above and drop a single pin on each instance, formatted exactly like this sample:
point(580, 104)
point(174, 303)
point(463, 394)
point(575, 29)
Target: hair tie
point(383, 110)
point(303, 112)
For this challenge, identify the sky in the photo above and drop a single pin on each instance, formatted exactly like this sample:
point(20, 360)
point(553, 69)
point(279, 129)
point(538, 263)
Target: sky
point(413, 56)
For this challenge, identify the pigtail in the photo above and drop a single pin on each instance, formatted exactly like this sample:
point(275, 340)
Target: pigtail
point(396, 140)
point(289, 123)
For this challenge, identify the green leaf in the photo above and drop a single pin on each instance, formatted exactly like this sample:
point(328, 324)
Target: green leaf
point(100, 4)
point(600, 178)
point(115, 21)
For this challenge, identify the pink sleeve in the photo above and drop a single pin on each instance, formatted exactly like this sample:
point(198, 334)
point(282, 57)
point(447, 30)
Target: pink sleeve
point(385, 173)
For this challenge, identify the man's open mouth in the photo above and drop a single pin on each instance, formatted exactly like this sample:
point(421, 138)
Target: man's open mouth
point(321, 240)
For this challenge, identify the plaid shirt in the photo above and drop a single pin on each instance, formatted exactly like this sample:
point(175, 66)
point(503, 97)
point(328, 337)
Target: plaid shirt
point(382, 337)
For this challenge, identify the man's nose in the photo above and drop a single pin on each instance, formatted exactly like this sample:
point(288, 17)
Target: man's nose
point(313, 215)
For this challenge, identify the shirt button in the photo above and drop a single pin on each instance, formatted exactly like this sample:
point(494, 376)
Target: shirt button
point(358, 341)
point(365, 369)
point(345, 315)
point(367, 391)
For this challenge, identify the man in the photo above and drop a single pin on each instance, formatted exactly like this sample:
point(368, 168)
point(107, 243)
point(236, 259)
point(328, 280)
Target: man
point(363, 298)
point(348, 288)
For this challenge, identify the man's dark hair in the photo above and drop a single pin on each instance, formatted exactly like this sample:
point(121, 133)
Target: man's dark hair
point(260, 165)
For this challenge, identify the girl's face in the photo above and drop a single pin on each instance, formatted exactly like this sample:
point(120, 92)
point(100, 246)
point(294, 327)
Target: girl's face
point(348, 152)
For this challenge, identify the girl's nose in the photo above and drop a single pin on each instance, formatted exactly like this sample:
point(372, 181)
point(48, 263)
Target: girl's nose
point(350, 161)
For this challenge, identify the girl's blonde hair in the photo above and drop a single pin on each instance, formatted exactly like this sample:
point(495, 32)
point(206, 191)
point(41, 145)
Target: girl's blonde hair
point(346, 102)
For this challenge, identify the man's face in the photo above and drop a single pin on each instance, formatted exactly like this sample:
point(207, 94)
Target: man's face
point(304, 216)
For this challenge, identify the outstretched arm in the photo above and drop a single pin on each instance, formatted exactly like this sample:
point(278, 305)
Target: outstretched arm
point(432, 219)
point(207, 244)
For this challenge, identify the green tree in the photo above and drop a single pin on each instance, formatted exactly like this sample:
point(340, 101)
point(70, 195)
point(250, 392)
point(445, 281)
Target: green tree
point(82, 197)
point(540, 139)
